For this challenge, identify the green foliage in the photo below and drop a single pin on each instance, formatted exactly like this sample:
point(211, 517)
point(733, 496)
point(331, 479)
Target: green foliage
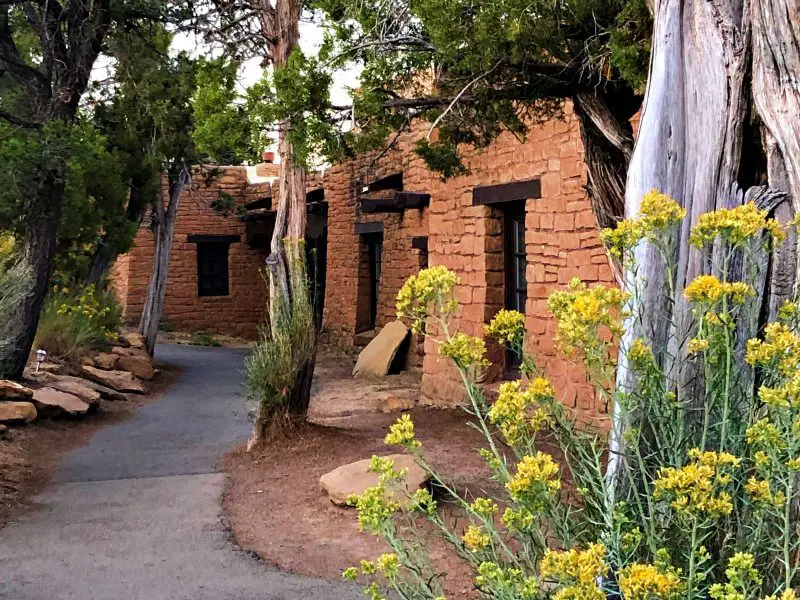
point(699, 499)
point(73, 322)
point(202, 339)
point(475, 70)
point(222, 129)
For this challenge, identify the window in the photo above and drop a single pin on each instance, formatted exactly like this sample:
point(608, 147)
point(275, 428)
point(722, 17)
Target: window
point(516, 263)
point(212, 268)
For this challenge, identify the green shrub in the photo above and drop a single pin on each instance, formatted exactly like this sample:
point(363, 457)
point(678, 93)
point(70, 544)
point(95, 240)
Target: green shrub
point(15, 280)
point(73, 322)
point(202, 339)
point(700, 496)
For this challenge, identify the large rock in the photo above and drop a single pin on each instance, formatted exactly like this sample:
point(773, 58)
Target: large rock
point(376, 358)
point(122, 381)
point(139, 366)
point(130, 351)
point(106, 393)
point(11, 390)
point(17, 412)
point(105, 360)
point(356, 477)
point(136, 340)
point(50, 402)
point(80, 388)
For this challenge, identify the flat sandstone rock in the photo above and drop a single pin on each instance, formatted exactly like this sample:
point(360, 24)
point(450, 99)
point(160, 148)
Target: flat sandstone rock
point(105, 392)
point(75, 387)
point(139, 366)
point(377, 356)
point(50, 402)
point(11, 390)
point(356, 477)
point(17, 412)
point(122, 381)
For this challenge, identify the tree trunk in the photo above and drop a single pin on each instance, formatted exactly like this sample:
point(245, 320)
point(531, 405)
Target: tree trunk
point(39, 247)
point(286, 262)
point(690, 146)
point(163, 229)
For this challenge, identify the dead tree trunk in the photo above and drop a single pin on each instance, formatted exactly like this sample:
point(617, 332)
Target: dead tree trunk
point(163, 228)
point(690, 143)
point(286, 262)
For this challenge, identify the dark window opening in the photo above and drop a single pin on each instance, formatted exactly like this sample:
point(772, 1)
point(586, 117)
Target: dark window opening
point(212, 268)
point(369, 281)
point(516, 263)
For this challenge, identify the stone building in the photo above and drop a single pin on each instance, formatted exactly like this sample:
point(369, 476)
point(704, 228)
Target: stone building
point(515, 228)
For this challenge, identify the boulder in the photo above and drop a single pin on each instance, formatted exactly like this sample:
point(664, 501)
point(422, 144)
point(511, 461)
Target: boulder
point(135, 339)
point(122, 381)
point(130, 351)
point(11, 390)
point(376, 358)
point(50, 402)
point(79, 388)
point(105, 360)
point(141, 367)
point(356, 477)
point(17, 412)
point(106, 393)
point(41, 377)
point(3, 429)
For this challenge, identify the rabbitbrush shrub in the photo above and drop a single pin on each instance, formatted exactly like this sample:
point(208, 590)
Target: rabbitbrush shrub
point(698, 498)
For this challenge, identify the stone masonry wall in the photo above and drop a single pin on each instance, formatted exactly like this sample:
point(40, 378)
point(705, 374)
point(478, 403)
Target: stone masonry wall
point(561, 243)
point(238, 313)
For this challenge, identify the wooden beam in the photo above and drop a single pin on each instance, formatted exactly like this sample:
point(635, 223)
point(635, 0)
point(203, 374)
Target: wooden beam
point(220, 239)
point(392, 201)
point(506, 192)
point(373, 227)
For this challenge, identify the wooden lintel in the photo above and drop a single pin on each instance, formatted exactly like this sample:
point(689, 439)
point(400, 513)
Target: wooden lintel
point(506, 192)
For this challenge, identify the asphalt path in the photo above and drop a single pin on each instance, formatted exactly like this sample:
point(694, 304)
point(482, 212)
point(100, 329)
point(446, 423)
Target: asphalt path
point(135, 513)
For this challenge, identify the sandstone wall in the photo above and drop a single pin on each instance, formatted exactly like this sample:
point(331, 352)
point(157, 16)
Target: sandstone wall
point(238, 313)
point(561, 243)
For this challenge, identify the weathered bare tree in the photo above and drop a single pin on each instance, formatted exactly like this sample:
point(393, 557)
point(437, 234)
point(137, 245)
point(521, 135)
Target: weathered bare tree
point(720, 126)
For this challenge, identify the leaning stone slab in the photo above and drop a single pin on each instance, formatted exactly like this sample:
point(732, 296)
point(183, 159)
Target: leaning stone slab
point(53, 403)
point(136, 340)
point(377, 356)
point(11, 390)
point(122, 381)
point(106, 393)
point(356, 477)
point(130, 351)
point(141, 367)
point(17, 412)
point(76, 388)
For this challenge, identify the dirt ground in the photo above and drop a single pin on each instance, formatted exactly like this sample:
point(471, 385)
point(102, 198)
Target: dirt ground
point(276, 508)
point(29, 453)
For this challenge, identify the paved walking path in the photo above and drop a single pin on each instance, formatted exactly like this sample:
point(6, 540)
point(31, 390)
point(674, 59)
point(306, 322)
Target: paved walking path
point(134, 514)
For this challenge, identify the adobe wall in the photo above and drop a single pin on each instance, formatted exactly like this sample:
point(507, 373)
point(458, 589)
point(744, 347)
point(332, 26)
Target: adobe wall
point(244, 308)
point(561, 241)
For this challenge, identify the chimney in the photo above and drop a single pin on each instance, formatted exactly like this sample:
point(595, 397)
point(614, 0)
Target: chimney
point(268, 156)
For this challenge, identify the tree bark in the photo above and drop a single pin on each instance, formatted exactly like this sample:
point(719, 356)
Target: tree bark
point(690, 146)
point(286, 262)
point(163, 229)
point(39, 247)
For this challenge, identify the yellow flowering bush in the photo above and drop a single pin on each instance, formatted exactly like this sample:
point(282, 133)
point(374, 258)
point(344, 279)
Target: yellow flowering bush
point(693, 494)
point(73, 322)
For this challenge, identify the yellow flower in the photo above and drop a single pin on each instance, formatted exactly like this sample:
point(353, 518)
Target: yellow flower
point(507, 326)
point(536, 478)
point(793, 464)
point(659, 211)
point(430, 288)
point(696, 345)
point(507, 583)
point(583, 566)
point(475, 538)
point(509, 412)
point(765, 434)
point(422, 501)
point(388, 564)
point(780, 349)
point(695, 488)
point(484, 507)
point(789, 594)
point(789, 311)
point(640, 355)
point(707, 289)
point(623, 237)
point(368, 567)
point(584, 314)
point(647, 582)
point(401, 433)
point(782, 396)
point(517, 519)
point(759, 490)
point(465, 350)
point(350, 573)
point(736, 226)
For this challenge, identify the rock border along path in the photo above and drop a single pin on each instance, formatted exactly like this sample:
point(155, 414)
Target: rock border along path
point(135, 514)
